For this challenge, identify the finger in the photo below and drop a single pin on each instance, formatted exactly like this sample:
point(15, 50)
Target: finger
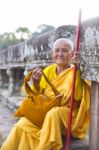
point(76, 54)
point(37, 72)
point(75, 58)
point(37, 76)
point(76, 62)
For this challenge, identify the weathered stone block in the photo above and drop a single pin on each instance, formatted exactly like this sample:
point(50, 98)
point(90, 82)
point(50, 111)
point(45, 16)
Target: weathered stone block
point(34, 52)
point(89, 49)
point(77, 144)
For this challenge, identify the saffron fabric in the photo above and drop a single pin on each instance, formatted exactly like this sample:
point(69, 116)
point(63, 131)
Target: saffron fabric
point(36, 105)
point(25, 135)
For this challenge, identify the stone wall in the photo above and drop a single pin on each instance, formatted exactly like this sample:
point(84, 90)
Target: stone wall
point(89, 49)
point(35, 51)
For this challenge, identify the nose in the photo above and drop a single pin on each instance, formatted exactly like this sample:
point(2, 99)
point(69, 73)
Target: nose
point(60, 53)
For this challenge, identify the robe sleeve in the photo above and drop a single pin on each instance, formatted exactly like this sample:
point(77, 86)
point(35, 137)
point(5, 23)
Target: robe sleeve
point(78, 86)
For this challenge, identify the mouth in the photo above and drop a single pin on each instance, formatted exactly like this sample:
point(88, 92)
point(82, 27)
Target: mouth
point(60, 58)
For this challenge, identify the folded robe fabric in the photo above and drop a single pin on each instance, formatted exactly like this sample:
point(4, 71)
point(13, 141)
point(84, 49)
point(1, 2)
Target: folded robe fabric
point(35, 106)
point(25, 135)
point(63, 83)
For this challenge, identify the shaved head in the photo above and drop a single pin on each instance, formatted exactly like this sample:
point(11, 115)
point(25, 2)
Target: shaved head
point(62, 51)
point(68, 42)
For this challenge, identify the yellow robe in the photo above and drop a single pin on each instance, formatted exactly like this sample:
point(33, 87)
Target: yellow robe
point(27, 136)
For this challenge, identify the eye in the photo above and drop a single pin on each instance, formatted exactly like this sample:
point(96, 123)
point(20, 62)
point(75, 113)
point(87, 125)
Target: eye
point(65, 50)
point(56, 50)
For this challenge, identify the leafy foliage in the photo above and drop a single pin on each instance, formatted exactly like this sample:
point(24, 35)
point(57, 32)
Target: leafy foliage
point(21, 34)
point(7, 39)
point(42, 29)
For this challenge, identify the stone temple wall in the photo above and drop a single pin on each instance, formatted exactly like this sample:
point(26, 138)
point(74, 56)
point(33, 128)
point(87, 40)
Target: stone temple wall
point(89, 49)
point(18, 59)
point(35, 51)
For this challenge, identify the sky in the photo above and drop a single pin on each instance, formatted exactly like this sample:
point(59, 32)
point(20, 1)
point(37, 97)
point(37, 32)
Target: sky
point(32, 13)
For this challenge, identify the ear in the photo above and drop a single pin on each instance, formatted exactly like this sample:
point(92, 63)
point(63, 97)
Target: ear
point(72, 53)
point(51, 54)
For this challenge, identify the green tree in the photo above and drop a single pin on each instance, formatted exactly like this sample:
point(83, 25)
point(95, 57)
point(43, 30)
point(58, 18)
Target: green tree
point(7, 39)
point(43, 28)
point(24, 33)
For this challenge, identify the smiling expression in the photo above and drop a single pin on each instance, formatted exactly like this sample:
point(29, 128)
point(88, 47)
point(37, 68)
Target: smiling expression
point(62, 53)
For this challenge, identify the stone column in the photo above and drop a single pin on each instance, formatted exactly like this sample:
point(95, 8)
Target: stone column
point(11, 81)
point(89, 50)
point(94, 117)
point(1, 82)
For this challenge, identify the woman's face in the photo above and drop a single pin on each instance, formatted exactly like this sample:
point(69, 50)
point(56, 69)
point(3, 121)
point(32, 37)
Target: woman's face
point(62, 53)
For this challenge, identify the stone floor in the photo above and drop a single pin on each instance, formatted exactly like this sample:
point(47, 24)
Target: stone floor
point(76, 144)
point(6, 122)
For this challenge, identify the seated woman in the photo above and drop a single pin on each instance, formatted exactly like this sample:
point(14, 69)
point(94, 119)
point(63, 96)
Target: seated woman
point(26, 135)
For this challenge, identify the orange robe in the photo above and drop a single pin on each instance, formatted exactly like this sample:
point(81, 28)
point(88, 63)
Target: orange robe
point(27, 136)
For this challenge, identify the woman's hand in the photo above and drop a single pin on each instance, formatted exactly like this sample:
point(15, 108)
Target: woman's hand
point(36, 77)
point(76, 60)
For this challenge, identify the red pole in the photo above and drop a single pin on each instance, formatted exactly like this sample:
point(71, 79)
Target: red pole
point(68, 133)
